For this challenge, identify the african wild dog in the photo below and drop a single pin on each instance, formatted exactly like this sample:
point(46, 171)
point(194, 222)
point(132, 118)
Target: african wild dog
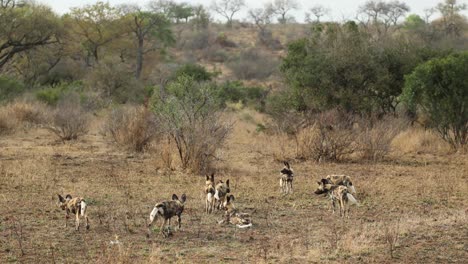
point(210, 192)
point(221, 190)
point(232, 216)
point(286, 180)
point(167, 210)
point(76, 206)
point(342, 180)
point(337, 193)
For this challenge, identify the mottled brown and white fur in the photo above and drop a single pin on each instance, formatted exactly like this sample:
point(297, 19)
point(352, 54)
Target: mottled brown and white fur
point(286, 179)
point(76, 206)
point(167, 210)
point(342, 180)
point(232, 216)
point(210, 192)
point(337, 193)
point(221, 190)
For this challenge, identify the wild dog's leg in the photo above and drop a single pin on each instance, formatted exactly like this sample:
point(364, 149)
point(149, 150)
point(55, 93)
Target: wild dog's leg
point(66, 217)
point(77, 220)
point(281, 186)
point(162, 226)
point(291, 186)
point(179, 220)
point(342, 208)
point(333, 205)
point(87, 221)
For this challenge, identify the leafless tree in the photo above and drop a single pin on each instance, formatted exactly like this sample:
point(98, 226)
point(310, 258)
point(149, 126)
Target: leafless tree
point(428, 12)
point(261, 17)
point(282, 8)
point(227, 8)
point(319, 11)
point(382, 15)
point(450, 13)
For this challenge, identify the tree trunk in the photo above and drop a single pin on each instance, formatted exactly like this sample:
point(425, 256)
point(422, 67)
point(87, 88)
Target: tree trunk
point(139, 57)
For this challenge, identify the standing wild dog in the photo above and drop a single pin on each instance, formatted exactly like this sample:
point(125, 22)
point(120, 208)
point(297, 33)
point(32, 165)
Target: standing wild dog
point(221, 190)
point(286, 180)
point(337, 193)
point(342, 180)
point(76, 206)
point(210, 192)
point(167, 210)
point(232, 216)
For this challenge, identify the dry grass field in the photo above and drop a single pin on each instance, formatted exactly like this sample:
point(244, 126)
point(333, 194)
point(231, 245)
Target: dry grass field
point(414, 207)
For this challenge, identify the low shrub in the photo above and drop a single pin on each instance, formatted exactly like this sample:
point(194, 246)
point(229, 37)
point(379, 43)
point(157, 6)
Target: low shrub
point(68, 121)
point(132, 127)
point(253, 64)
point(375, 138)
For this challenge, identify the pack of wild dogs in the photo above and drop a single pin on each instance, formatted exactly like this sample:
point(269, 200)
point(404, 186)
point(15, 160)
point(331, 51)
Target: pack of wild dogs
point(338, 188)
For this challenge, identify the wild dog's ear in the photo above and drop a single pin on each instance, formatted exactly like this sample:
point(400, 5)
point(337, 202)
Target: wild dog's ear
point(324, 181)
point(61, 198)
point(174, 197)
point(183, 198)
point(207, 177)
point(319, 182)
point(68, 197)
point(227, 183)
point(212, 177)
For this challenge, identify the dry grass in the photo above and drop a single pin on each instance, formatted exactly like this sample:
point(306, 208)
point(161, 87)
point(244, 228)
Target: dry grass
point(427, 193)
point(419, 140)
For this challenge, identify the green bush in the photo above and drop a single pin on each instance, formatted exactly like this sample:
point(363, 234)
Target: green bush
point(195, 71)
point(51, 95)
point(235, 91)
point(10, 88)
point(439, 88)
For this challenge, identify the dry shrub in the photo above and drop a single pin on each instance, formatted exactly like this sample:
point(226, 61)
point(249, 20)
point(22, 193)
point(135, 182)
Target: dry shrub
point(375, 138)
point(7, 124)
point(331, 137)
point(28, 112)
point(69, 120)
point(253, 64)
point(22, 114)
point(132, 127)
point(419, 140)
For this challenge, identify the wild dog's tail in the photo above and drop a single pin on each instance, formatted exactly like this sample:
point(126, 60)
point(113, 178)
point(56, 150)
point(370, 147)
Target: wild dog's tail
point(159, 208)
point(83, 207)
point(245, 226)
point(351, 199)
point(352, 189)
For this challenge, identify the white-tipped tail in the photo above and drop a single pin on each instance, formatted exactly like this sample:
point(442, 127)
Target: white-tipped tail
point(83, 208)
point(153, 214)
point(351, 199)
point(245, 226)
point(352, 189)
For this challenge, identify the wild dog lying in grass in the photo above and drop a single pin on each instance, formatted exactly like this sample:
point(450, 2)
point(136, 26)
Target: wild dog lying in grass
point(210, 192)
point(337, 193)
point(342, 180)
point(76, 206)
point(221, 190)
point(232, 216)
point(286, 180)
point(167, 210)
